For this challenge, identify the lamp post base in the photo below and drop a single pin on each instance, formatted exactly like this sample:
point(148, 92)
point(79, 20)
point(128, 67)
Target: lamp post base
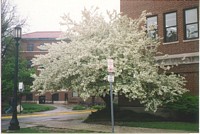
point(14, 125)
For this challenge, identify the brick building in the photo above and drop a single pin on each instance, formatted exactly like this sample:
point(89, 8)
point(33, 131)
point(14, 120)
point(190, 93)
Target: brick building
point(177, 21)
point(31, 41)
point(29, 48)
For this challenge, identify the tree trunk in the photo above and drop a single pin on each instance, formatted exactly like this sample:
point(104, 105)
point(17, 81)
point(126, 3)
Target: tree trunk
point(106, 99)
point(93, 100)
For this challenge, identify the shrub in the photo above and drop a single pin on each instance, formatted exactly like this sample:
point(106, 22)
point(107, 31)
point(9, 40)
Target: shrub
point(79, 107)
point(98, 107)
point(186, 108)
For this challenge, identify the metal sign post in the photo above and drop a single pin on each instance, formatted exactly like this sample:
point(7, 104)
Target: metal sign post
point(111, 79)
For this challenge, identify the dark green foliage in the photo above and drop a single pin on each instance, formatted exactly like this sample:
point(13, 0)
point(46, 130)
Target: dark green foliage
point(124, 115)
point(142, 120)
point(8, 75)
point(186, 108)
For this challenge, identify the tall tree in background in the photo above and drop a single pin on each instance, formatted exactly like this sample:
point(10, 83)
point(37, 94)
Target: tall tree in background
point(9, 20)
point(8, 67)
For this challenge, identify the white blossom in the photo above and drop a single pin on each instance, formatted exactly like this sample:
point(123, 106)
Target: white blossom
point(81, 64)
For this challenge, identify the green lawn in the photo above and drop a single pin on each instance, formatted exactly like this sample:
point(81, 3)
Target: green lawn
point(42, 129)
point(30, 108)
point(163, 125)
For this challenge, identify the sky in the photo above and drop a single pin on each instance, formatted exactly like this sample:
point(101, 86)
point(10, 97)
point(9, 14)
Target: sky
point(45, 15)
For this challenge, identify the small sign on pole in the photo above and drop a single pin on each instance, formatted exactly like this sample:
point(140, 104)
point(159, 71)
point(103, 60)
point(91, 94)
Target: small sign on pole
point(110, 78)
point(110, 66)
point(21, 86)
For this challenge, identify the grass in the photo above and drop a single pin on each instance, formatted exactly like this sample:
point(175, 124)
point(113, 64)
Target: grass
point(42, 129)
point(79, 107)
point(83, 107)
point(163, 125)
point(30, 108)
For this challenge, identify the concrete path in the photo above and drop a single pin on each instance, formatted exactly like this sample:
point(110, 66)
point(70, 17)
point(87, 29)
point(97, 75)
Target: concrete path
point(79, 125)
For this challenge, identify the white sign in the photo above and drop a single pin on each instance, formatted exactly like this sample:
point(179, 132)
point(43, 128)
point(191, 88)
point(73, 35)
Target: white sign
point(110, 66)
point(111, 78)
point(21, 86)
point(18, 108)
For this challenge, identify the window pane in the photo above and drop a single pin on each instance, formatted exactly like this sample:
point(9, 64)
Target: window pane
point(170, 19)
point(171, 34)
point(30, 47)
point(191, 16)
point(191, 31)
point(152, 26)
point(75, 94)
point(152, 21)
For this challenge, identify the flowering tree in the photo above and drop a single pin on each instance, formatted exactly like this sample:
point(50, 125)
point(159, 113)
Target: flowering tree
point(81, 65)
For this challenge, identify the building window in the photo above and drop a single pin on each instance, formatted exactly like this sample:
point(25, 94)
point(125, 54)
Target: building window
point(152, 30)
point(55, 97)
point(42, 49)
point(74, 94)
point(30, 47)
point(170, 27)
point(191, 23)
point(29, 63)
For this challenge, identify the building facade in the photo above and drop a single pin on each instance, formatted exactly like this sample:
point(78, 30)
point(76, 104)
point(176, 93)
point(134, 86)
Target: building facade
point(177, 22)
point(29, 48)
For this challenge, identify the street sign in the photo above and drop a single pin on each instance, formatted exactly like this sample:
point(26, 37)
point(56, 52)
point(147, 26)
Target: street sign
point(21, 86)
point(110, 78)
point(110, 66)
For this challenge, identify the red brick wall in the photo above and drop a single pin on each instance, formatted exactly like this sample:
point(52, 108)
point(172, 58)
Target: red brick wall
point(30, 54)
point(191, 74)
point(133, 8)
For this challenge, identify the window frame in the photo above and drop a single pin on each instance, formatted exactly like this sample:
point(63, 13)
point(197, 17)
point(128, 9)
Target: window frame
point(156, 28)
point(185, 25)
point(30, 46)
point(165, 28)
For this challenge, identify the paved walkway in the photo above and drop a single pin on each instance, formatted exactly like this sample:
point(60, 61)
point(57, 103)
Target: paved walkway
point(78, 125)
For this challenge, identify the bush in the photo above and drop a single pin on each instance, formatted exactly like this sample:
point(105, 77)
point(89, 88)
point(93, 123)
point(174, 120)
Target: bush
point(186, 108)
point(104, 115)
point(79, 107)
point(97, 107)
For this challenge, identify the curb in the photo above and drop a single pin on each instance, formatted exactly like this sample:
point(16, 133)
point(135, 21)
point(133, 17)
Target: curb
point(49, 114)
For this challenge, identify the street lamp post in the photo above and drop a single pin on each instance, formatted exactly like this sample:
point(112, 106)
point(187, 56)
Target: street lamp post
point(14, 123)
